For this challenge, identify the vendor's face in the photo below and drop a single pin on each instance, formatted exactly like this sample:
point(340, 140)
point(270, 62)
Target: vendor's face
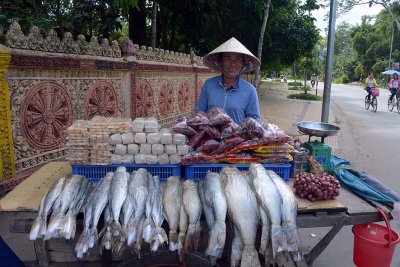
point(231, 64)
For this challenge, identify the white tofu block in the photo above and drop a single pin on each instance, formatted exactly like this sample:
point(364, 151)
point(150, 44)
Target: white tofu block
point(170, 150)
point(145, 149)
point(128, 138)
point(182, 149)
point(138, 125)
point(133, 149)
point(153, 138)
point(157, 149)
point(165, 130)
point(151, 159)
point(128, 159)
point(120, 149)
point(115, 159)
point(115, 139)
point(163, 159)
point(140, 138)
point(151, 125)
point(166, 138)
point(140, 159)
point(174, 159)
point(179, 139)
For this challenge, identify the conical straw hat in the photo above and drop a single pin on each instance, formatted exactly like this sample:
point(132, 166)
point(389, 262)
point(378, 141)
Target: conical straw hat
point(213, 59)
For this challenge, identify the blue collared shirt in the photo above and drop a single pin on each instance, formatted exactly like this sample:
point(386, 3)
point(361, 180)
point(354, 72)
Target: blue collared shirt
point(239, 102)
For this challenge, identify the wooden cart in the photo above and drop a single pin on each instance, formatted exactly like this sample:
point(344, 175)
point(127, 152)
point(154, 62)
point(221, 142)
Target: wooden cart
point(20, 207)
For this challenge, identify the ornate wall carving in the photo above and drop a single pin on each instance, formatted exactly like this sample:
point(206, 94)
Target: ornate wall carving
point(101, 100)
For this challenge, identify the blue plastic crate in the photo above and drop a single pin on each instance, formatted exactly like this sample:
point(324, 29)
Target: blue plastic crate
point(197, 172)
point(95, 172)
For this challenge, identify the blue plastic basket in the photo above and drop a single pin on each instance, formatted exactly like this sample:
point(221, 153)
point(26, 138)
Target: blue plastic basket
point(95, 172)
point(197, 172)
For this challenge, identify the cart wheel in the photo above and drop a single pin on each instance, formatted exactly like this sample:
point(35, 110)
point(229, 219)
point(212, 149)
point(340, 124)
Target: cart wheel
point(374, 104)
point(367, 103)
point(398, 105)
point(166, 258)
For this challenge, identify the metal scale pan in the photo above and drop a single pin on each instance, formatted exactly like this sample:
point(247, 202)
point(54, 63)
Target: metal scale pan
point(318, 129)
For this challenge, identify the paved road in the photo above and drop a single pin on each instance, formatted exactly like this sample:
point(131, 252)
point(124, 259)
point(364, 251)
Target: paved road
point(370, 141)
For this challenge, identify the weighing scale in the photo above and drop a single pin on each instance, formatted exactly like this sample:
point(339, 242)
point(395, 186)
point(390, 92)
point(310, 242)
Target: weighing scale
point(320, 151)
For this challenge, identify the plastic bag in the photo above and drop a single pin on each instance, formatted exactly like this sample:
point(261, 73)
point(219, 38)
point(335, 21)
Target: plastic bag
point(182, 150)
point(120, 149)
point(229, 130)
point(170, 150)
point(145, 149)
point(181, 126)
point(175, 159)
point(196, 139)
point(250, 128)
point(212, 132)
point(198, 119)
point(140, 138)
point(166, 138)
point(127, 138)
point(153, 138)
point(163, 159)
point(179, 139)
point(197, 158)
point(115, 139)
point(157, 149)
point(133, 149)
point(208, 146)
point(228, 145)
point(218, 117)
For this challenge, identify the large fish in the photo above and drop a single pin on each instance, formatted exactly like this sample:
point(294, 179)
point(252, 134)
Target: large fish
point(183, 226)
point(271, 201)
point(243, 211)
point(237, 247)
point(68, 194)
point(215, 198)
point(172, 208)
point(207, 210)
point(192, 204)
point(289, 214)
point(158, 236)
point(40, 224)
point(138, 192)
point(265, 243)
point(148, 225)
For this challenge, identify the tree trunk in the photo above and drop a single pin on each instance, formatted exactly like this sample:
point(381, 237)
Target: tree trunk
point(154, 25)
point(137, 24)
point(305, 81)
point(257, 78)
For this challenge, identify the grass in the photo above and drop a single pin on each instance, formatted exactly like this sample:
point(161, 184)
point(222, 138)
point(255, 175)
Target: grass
point(304, 96)
point(295, 84)
point(295, 88)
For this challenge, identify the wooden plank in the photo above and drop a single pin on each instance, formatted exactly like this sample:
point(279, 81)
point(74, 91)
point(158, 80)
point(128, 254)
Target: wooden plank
point(27, 195)
point(311, 220)
point(41, 252)
point(354, 204)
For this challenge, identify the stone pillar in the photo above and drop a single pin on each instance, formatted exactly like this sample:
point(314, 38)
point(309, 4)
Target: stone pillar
point(7, 162)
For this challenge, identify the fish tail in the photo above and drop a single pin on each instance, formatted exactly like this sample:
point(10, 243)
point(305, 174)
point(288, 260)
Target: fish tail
point(265, 239)
point(173, 240)
point(93, 237)
point(80, 244)
point(189, 239)
point(67, 225)
point(250, 257)
point(197, 233)
point(54, 225)
point(216, 241)
point(132, 232)
point(106, 240)
point(147, 230)
point(278, 240)
point(158, 237)
point(36, 227)
point(293, 240)
point(181, 249)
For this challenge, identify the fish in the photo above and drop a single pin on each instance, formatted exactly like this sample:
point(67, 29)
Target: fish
point(237, 247)
point(68, 194)
point(69, 222)
point(158, 235)
point(243, 211)
point(39, 226)
point(138, 192)
point(116, 198)
point(183, 227)
point(192, 204)
point(289, 214)
point(265, 243)
point(215, 198)
point(207, 210)
point(271, 201)
point(148, 224)
point(107, 237)
point(172, 201)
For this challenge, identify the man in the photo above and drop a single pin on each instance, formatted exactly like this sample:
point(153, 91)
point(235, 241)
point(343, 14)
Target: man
point(237, 97)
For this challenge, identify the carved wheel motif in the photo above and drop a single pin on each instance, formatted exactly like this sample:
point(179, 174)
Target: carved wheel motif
point(45, 115)
point(166, 99)
point(184, 97)
point(144, 99)
point(101, 100)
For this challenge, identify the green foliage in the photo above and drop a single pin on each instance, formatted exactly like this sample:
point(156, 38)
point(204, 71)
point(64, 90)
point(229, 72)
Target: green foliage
point(342, 79)
point(295, 84)
point(304, 96)
point(295, 88)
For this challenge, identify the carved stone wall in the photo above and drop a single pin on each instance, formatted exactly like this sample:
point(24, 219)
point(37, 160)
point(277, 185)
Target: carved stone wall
point(53, 82)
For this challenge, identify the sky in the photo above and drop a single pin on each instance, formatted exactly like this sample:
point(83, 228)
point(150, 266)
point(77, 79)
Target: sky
point(353, 17)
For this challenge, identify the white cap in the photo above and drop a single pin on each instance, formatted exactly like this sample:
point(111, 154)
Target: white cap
point(213, 59)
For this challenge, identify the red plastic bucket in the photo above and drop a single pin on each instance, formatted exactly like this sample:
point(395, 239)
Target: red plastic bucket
point(374, 244)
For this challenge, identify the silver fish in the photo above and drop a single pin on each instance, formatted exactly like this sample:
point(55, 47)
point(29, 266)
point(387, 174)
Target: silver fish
point(148, 225)
point(183, 226)
point(158, 237)
point(172, 207)
point(207, 210)
point(271, 201)
point(289, 214)
point(243, 211)
point(192, 204)
point(39, 226)
point(237, 247)
point(265, 243)
point(68, 194)
point(138, 192)
point(215, 198)
point(107, 237)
